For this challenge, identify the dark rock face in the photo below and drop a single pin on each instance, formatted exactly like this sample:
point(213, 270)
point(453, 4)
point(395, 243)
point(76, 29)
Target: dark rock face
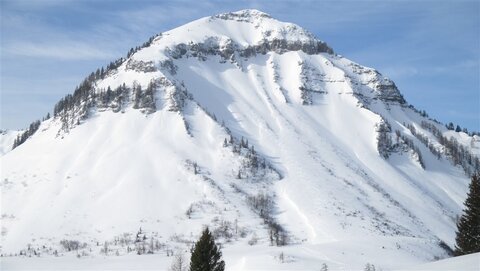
point(168, 66)
point(313, 81)
point(383, 88)
point(140, 66)
point(227, 50)
point(244, 16)
point(281, 46)
point(387, 91)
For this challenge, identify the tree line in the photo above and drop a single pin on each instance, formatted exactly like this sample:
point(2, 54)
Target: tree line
point(458, 153)
point(21, 138)
point(386, 146)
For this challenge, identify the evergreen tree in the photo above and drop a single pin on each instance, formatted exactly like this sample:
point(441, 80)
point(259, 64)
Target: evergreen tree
point(206, 256)
point(137, 95)
point(450, 126)
point(21, 138)
point(148, 98)
point(468, 227)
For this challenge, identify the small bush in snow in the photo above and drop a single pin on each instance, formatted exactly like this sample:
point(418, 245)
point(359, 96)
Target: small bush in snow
point(253, 240)
point(70, 245)
point(179, 263)
point(369, 267)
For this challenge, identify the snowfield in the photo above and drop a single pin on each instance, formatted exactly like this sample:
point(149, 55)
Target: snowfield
point(6, 140)
point(466, 263)
point(254, 128)
point(239, 259)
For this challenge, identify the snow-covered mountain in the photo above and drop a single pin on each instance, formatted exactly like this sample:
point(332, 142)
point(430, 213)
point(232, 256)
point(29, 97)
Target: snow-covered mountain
point(293, 155)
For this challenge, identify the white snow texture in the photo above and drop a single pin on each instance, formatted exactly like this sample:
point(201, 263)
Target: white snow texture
point(313, 119)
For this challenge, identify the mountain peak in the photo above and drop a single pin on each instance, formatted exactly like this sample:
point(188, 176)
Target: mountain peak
point(242, 15)
point(231, 35)
point(244, 28)
point(251, 126)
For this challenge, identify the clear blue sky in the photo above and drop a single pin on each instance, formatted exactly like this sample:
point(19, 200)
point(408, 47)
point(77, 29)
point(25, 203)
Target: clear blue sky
point(431, 49)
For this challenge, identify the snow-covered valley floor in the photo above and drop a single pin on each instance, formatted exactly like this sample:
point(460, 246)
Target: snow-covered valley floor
point(236, 259)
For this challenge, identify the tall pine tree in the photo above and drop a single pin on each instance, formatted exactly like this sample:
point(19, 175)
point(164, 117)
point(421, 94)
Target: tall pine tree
point(206, 256)
point(468, 228)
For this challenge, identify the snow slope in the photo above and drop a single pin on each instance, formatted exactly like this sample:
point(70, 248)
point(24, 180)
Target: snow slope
point(97, 174)
point(466, 263)
point(6, 140)
point(152, 262)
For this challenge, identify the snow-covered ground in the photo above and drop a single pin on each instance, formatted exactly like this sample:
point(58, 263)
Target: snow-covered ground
point(311, 119)
point(6, 140)
point(469, 262)
point(242, 260)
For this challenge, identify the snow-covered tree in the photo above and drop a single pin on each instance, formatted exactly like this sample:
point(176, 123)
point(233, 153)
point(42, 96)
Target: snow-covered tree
point(179, 263)
point(206, 255)
point(468, 233)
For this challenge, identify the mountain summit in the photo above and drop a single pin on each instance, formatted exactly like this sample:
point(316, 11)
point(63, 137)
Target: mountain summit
point(253, 127)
